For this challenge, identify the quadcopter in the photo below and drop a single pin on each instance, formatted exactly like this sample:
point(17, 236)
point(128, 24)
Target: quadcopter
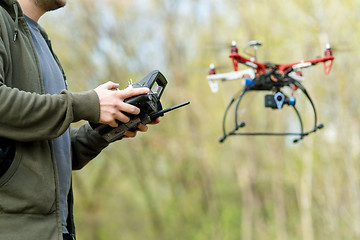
point(268, 77)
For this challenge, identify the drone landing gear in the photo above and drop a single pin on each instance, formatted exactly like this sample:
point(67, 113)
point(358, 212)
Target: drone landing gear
point(275, 101)
point(301, 134)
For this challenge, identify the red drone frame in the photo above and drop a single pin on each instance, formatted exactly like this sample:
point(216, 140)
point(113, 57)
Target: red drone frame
point(262, 67)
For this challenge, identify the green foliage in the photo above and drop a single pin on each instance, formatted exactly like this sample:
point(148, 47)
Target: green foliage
point(177, 181)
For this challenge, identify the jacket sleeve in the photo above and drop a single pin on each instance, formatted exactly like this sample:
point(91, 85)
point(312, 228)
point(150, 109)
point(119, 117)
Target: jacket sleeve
point(28, 116)
point(86, 144)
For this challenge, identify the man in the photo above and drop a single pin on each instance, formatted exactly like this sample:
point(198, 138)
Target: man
point(38, 150)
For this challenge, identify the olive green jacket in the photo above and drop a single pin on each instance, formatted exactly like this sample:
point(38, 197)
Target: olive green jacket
point(29, 119)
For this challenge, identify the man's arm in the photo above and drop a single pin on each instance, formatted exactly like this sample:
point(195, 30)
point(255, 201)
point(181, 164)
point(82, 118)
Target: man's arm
point(29, 116)
point(86, 144)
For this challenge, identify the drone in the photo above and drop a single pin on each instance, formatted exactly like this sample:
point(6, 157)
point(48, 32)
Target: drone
point(268, 77)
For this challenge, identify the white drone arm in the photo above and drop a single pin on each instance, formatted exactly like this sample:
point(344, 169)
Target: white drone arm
point(235, 75)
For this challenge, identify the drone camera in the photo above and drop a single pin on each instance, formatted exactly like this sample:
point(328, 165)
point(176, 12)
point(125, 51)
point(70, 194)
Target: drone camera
point(277, 100)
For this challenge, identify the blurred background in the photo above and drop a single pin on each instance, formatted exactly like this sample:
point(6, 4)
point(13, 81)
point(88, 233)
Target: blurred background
point(177, 181)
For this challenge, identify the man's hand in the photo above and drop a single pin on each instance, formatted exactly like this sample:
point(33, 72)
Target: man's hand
point(141, 128)
point(112, 105)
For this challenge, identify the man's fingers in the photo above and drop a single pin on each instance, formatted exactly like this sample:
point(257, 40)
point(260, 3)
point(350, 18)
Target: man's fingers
point(125, 107)
point(111, 118)
point(130, 134)
point(142, 127)
point(155, 121)
point(109, 85)
point(112, 124)
point(130, 92)
point(122, 117)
